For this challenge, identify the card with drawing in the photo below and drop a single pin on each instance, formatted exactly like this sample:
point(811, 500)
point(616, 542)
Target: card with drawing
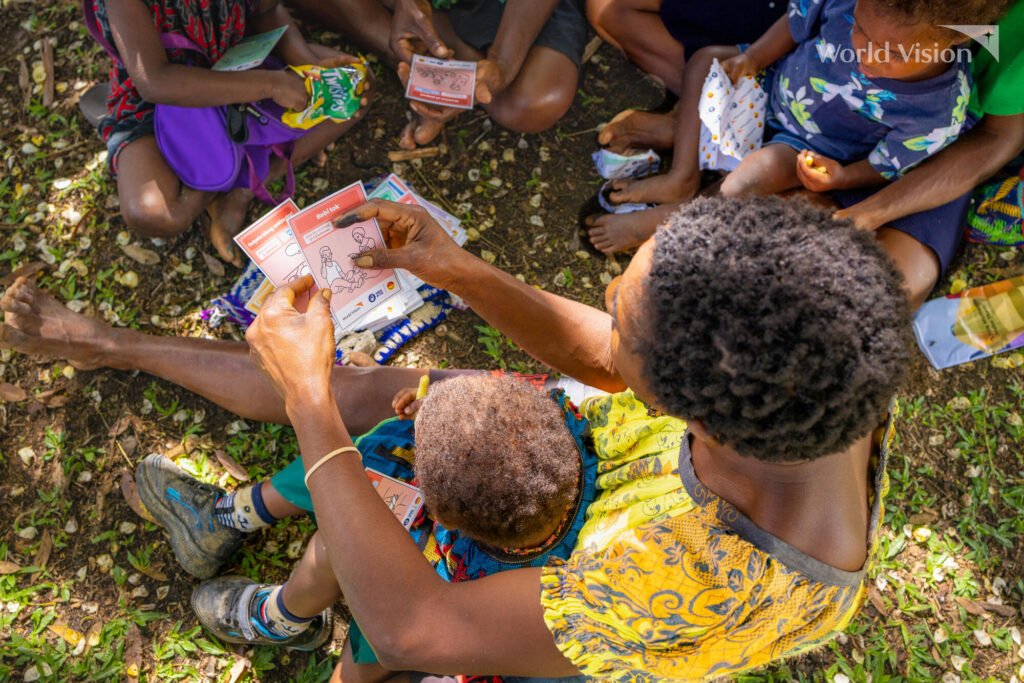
point(250, 52)
point(404, 500)
point(270, 244)
point(330, 253)
point(444, 82)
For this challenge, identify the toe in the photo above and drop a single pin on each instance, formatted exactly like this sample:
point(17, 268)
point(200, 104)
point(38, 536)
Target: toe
point(408, 139)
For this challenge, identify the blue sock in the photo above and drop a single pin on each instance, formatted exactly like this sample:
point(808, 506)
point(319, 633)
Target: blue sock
point(271, 618)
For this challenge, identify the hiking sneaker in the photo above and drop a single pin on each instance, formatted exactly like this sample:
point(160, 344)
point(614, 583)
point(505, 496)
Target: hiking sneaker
point(226, 606)
point(184, 507)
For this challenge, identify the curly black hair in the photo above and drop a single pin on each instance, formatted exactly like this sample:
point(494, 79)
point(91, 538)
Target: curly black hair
point(495, 459)
point(784, 331)
point(947, 12)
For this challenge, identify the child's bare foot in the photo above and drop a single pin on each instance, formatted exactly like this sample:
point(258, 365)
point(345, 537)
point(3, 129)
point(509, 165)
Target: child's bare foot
point(36, 324)
point(227, 218)
point(659, 189)
point(420, 131)
point(633, 129)
point(611, 233)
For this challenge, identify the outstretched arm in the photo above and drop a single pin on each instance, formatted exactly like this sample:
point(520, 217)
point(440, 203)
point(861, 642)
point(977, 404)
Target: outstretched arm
point(493, 625)
point(954, 171)
point(568, 336)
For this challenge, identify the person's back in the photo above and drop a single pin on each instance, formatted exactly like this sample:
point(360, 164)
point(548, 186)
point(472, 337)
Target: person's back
point(741, 535)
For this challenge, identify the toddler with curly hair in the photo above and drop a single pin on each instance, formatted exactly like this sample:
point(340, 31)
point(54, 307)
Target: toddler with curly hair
point(506, 474)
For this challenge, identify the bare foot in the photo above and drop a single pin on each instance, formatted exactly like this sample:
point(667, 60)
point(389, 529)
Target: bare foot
point(37, 324)
point(659, 189)
point(361, 360)
point(420, 131)
point(227, 218)
point(611, 233)
point(633, 129)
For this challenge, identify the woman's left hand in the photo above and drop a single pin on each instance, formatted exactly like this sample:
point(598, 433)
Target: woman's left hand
point(295, 350)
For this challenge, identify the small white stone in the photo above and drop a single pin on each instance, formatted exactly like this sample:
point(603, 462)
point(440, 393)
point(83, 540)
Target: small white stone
point(127, 527)
point(27, 456)
point(84, 477)
point(28, 533)
point(61, 184)
point(104, 562)
point(983, 638)
point(71, 526)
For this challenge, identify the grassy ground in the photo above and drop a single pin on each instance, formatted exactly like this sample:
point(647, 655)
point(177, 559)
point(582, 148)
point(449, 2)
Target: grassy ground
point(88, 591)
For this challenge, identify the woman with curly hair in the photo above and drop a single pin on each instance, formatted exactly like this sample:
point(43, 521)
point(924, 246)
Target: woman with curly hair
point(752, 349)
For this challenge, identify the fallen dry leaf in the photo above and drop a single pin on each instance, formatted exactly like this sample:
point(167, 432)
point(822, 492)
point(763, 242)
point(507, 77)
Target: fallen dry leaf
point(8, 567)
point(213, 265)
point(142, 255)
point(122, 424)
point(70, 635)
point(12, 393)
point(49, 83)
point(27, 270)
point(876, 600)
point(53, 398)
point(43, 554)
point(237, 669)
point(131, 496)
point(231, 465)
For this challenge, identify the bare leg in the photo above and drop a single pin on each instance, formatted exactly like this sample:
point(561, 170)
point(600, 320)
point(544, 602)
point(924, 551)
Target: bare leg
point(769, 170)
point(366, 22)
point(612, 232)
point(917, 262)
point(220, 371)
point(154, 202)
point(540, 95)
point(312, 587)
point(635, 28)
point(682, 182)
point(633, 129)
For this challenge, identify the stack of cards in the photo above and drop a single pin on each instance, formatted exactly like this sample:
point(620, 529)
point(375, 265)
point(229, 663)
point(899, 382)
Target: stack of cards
point(288, 243)
point(444, 82)
point(250, 52)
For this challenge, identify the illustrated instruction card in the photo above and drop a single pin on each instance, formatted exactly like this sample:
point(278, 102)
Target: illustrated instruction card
point(250, 52)
point(444, 82)
point(330, 253)
point(404, 500)
point(270, 244)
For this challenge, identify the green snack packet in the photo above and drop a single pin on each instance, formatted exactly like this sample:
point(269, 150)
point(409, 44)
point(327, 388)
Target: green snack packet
point(334, 94)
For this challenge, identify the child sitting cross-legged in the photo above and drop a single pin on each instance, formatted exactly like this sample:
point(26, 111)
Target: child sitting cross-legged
point(859, 92)
point(506, 473)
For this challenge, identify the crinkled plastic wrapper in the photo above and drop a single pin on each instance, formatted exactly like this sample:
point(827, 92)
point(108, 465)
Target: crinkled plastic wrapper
point(974, 324)
point(335, 94)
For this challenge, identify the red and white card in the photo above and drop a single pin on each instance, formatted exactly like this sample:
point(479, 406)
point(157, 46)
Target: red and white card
point(330, 253)
point(270, 244)
point(444, 82)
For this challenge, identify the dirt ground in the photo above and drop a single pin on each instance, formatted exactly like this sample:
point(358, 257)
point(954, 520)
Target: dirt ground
point(89, 591)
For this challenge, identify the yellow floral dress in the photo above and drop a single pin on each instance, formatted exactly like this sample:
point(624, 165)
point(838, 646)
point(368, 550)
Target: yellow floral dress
point(670, 582)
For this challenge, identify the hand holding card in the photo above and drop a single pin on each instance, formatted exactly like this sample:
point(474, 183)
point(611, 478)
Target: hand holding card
point(441, 82)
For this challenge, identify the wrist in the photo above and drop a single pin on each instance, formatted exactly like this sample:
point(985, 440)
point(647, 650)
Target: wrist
point(309, 402)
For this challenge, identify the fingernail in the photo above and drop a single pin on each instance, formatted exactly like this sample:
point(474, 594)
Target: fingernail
point(346, 221)
point(364, 261)
point(326, 293)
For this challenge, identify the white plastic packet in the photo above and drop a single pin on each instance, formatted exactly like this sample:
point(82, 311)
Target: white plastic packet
point(732, 119)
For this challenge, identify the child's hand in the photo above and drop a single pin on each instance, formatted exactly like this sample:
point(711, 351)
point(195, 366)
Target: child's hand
point(739, 67)
point(288, 90)
point(405, 404)
point(819, 173)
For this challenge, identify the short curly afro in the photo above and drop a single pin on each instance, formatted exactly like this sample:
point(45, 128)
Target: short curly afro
point(947, 12)
point(495, 459)
point(784, 331)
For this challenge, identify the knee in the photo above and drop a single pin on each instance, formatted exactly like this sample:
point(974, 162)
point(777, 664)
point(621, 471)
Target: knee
point(919, 279)
point(534, 113)
point(607, 17)
point(149, 215)
point(738, 185)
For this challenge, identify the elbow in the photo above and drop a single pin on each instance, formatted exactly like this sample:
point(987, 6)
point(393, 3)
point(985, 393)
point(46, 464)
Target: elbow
point(399, 651)
point(150, 90)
